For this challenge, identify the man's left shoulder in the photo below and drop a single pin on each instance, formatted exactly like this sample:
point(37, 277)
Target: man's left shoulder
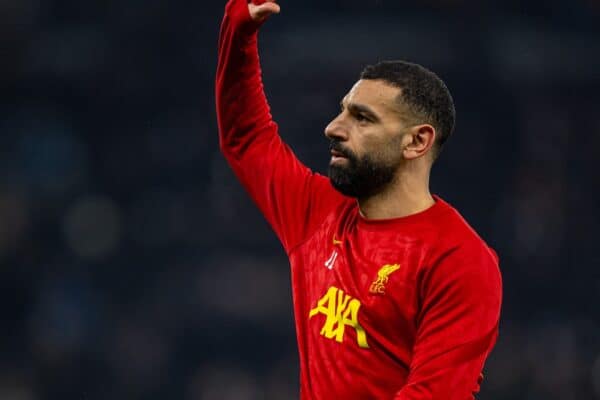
point(456, 235)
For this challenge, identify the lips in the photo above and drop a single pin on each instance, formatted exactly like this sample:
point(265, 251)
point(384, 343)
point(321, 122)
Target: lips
point(337, 156)
point(336, 153)
point(336, 150)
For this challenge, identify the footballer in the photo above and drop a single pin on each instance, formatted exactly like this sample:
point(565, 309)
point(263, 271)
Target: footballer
point(395, 295)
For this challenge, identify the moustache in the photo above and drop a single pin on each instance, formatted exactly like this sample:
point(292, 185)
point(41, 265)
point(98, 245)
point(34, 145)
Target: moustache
point(336, 146)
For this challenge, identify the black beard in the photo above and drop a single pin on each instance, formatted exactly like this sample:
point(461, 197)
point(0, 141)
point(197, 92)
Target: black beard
point(360, 177)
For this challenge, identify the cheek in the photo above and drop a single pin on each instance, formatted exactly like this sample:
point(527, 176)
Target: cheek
point(394, 147)
point(384, 150)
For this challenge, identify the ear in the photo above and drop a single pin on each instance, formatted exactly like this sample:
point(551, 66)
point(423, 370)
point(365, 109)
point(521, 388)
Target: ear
point(420, 139)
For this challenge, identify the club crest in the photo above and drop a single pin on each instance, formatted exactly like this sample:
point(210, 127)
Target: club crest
point(378, 285)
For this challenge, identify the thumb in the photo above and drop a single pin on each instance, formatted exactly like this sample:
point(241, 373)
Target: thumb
point(263, 9)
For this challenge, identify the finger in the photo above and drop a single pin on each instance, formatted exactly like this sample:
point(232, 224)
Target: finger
point(259, 12)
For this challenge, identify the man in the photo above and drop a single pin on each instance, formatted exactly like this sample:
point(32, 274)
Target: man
point(395, 296)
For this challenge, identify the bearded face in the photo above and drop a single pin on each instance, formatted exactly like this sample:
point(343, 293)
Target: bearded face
point(362, 176)
point(366, 139)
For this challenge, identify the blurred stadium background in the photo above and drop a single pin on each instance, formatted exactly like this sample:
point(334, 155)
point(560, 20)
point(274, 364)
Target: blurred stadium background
point(133, 266)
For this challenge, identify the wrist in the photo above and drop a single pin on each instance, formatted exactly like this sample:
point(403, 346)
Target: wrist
point(239, 15)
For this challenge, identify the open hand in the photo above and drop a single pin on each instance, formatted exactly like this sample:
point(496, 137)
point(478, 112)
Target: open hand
point(261, 9)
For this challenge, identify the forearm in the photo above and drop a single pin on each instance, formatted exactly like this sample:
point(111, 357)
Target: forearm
point(456, 375)
point(242, 108)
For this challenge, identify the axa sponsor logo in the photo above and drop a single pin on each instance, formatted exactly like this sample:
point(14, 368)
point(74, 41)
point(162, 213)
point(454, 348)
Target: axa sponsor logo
point(341, 310)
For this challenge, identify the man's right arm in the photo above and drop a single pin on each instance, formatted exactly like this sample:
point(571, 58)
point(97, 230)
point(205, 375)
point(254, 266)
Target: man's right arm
point(293, 199)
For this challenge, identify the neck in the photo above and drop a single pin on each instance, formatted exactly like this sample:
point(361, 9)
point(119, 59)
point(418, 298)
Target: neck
point(407, 194)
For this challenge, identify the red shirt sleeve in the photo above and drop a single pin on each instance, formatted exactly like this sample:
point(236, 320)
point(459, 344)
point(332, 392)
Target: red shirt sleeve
point(293, 199)
point(458, 324)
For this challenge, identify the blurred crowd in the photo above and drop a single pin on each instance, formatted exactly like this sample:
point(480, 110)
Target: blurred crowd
point(132, 263)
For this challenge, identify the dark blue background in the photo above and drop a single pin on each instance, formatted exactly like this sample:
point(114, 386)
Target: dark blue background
point(132, 264)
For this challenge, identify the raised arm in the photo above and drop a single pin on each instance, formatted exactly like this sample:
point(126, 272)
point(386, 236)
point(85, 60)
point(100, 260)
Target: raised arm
point(293, 199)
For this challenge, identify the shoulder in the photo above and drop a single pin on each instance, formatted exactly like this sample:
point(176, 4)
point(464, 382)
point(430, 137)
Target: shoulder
point(455, 237)
point(459, 256)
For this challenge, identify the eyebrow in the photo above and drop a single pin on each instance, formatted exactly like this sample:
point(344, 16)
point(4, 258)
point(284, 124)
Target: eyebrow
point(357, 108)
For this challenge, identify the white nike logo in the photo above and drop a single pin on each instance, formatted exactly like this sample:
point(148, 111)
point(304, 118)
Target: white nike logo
point(329, 263)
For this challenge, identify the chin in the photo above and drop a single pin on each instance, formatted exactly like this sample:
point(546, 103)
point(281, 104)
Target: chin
point(341, 181)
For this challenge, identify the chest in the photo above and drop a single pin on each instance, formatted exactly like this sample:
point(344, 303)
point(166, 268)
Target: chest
point(369, 279)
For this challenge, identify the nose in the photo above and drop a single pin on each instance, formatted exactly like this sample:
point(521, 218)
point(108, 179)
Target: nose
point(336, 130)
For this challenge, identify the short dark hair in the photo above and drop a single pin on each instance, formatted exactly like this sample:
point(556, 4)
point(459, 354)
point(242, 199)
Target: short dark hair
point(422, 91)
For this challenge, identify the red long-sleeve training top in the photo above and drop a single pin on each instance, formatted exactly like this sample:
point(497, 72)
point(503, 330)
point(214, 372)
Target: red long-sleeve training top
point(403, 309)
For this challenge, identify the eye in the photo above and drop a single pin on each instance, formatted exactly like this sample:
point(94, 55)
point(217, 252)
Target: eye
point(361, 118)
